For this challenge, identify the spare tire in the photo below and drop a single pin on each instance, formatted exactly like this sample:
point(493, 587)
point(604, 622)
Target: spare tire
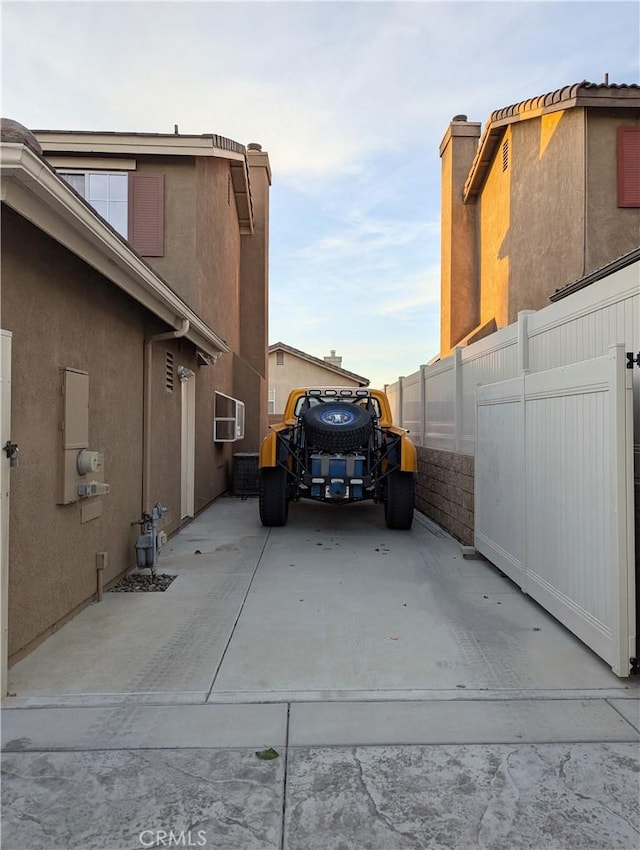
point(337, 427)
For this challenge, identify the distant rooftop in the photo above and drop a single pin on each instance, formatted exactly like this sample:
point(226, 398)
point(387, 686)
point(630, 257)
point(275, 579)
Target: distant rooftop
point(327, 364)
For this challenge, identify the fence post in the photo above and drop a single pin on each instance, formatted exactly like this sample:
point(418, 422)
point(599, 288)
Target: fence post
point(457, 398)
point(423, 406)
point(523, 341)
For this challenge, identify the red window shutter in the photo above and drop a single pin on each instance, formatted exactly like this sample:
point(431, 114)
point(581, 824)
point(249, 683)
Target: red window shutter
point(146, 214)
point(629, 166)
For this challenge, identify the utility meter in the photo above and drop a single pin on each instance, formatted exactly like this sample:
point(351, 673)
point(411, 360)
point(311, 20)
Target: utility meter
point(88, 462)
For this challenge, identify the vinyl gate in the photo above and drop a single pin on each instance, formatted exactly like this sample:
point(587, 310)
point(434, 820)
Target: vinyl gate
point(554, 496)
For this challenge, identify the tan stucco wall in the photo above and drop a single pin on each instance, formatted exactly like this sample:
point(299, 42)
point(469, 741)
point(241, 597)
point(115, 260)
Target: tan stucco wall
point(63, 314)
point(611, 230)
point(532, 214)
point(546, 239)
point(223, 276)
point(459, 300)
point(178, 263)
point(251, 380)
point(495, 222)
point(217, 250)
point(547, 220)
point(297, 372)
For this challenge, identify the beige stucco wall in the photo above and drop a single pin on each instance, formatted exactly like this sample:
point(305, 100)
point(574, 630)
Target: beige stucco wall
point(251, 373)
point(297, 372)
point(547, 220)
point(546, 243)
point(223, 276)
point(531, 216)
point(611, 230)
point(217, 250)
point(495, 224)
point(201, 263)
point(63, 314)
point(459, 302)
point(178, 263)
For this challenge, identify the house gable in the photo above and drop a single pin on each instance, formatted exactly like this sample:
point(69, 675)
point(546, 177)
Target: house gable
point(545, 197)
point(290, 368)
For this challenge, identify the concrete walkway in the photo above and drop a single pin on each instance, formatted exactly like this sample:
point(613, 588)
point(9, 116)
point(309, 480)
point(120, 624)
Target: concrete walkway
point(415, 700)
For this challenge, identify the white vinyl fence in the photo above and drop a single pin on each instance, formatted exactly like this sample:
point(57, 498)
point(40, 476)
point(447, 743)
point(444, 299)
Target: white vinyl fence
point(554, 496)
point(437, 403)
point(551, 412)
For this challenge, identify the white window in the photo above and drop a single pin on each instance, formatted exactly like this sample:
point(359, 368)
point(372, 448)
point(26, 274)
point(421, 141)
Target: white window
point(272, 400)
point(228, 423)
point(106, 191)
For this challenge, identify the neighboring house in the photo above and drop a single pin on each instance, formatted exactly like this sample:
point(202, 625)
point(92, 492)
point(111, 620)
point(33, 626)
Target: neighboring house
point(547, 194)
point(122, 342)
point(290, 368)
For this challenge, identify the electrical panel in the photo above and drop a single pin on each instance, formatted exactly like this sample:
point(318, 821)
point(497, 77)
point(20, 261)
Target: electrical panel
point(81, 468)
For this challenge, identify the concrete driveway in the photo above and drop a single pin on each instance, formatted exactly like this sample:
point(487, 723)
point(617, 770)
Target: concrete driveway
point(415, 699)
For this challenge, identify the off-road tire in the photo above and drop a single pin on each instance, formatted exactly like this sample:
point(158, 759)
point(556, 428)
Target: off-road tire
point(337, 438)
point(399, 501)
point(273, 496)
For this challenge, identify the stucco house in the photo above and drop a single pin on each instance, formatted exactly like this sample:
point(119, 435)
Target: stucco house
point(134, 304)
point(548, 192)
point(290, 368)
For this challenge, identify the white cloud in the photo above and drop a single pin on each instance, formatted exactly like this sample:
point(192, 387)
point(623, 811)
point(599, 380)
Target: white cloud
point(350, 100)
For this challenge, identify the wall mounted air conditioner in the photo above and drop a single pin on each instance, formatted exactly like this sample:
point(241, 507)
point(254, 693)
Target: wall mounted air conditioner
point(228, 421)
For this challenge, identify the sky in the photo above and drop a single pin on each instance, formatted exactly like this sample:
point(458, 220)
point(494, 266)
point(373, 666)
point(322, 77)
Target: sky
point(349, 99)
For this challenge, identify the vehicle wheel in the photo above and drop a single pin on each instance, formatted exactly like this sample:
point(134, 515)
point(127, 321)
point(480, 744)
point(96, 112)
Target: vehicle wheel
point(273, 496)
point(341, 427)
point(398, 506)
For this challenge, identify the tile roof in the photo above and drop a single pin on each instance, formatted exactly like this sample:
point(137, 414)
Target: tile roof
point(566, 93)
point(578, 94)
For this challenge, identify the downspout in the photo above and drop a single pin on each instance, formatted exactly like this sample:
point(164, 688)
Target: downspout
point(146, 412)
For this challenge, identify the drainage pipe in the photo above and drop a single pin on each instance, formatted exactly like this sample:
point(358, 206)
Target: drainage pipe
point(146, 412)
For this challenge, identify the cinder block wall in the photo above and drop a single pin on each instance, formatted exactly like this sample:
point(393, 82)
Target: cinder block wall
point(444, 491)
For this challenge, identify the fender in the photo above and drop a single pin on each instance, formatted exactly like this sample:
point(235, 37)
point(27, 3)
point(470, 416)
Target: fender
point(408, 453)
point(268, 451)
point(269, 446)
point(408, 457)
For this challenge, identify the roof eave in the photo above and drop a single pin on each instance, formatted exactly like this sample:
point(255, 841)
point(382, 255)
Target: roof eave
point(34, 190)
point(83, 142)
point(578, 95)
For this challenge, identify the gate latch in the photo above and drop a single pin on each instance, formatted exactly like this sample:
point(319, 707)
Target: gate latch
point(631, 359)
point(11, 450)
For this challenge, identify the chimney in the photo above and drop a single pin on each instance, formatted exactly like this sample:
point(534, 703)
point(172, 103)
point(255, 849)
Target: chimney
point(460, 303)
point(332, 359)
